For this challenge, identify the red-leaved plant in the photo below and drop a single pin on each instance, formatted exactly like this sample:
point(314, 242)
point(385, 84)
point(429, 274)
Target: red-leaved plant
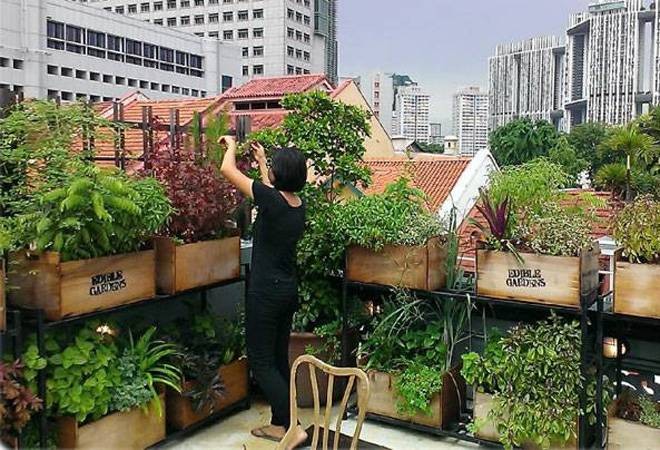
point(17, 402)
point(204, 202)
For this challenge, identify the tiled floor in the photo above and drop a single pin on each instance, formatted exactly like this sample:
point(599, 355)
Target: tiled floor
point(233, 433)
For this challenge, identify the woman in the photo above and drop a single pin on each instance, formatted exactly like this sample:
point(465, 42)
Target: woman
point(272, 296)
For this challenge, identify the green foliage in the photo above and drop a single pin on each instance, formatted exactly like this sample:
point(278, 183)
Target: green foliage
point(416, 385)
point(206, 141)
point(414, 340)
point(96, 215)
point(630, 142)
point(432, 148)
point(396, 217)
point(557, 231)
point(565, 156)
point(81, 373)
point(456, 277)
point(650, 411)
point(203, 347)
point(638, 407)
point(533, 373)
point(586, 140)
point(522, 140)
point(612, 177)
point(36, 141)
point(636, 230)
point(133, 390)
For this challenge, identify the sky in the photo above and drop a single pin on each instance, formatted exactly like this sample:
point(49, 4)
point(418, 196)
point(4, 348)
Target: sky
point(441, 44)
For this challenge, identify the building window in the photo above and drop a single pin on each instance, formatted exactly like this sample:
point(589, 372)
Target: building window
point(227, 82)
point(258, 14)
point(307, 38)
point(194, 92)
point(51, 70)
point(107, 78)
point(120, 80)
point(74, 37)
point(214, 34)
point(132, 82)
point(55, 32)
point(214, 18)
point(132, 9)
point(245, 52)
point(258, 51)
point(67, 96)
point(306, 56)
point(290, 70)
point(307, 3)
point(144, 7)
point(246, 71)
point(299, 17)
point(185, 3)
point(298, 53)
point(176, 89)
point(158, 6)
point(144, 84)
point(199, 2)
point(227, 2)
point(227, 16)
point(258, 69)
point(307, 20)
point(171, 4)
point(243, 33)
point(165, 87)
point(154, 86)
point(298, 71)
point(306, 71)
point(95, 39)
point(199, 20)
point(171, 21)
point(158, 21)
point(290, 33)
point(298, 35)
point(258, 33)
point(119, 10)
point(290, 51)
point(243, 15)
point(185, 91)
point(213, 2)
point(95, 76)
point(185, 20)
point(228, 35)
point(290, 14)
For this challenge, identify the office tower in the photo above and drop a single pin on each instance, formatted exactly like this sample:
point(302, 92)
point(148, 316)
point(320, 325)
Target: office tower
point(411, 113)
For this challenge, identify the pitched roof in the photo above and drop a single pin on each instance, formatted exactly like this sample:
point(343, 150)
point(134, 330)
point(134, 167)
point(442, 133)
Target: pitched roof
point(436, 177)
point(161, 108)
point(275, 87)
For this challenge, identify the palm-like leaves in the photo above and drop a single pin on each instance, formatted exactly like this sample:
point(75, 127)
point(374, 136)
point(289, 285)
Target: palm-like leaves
point(633, 143)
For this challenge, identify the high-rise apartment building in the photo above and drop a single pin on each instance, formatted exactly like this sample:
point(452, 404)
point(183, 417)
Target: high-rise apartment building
point(470, 116)
point(526, 79)
point(58, 48)
point(607, 71)
point(435, 134)
point(378, 90)
point(411, 113)
point(275, 37)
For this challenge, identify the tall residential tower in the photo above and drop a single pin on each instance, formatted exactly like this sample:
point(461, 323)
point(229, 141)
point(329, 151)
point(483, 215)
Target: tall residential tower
point(411, 113)
point(471, 120)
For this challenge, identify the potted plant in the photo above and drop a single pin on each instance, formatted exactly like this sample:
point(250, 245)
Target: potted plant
point(86, 244)
point(17, 402)
point(102, 385)
point(200, 244)
point(211, 356)
point(637, 271)
point(409, 359)
point(527, 385)
point(394, 240)
point(636, 418)
point(535, 247)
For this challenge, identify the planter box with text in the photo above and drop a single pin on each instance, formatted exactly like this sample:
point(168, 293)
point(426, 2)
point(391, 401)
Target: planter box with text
point(636, 289)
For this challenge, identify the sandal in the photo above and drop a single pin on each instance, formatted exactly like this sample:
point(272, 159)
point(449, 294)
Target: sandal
point(261, 433)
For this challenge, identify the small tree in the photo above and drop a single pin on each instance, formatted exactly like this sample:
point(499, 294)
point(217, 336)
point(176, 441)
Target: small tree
point(522, 140)
point(586, 140)
point(564, 155)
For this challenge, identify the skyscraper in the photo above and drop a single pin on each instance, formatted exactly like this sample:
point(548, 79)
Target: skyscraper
point(471, 120)
point(435, 133)
point(275, 37)
point(411, 113)
point(527, 80)
point(378, 90)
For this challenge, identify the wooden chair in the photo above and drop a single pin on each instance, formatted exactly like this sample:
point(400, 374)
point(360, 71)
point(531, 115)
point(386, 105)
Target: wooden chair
point(345, 372)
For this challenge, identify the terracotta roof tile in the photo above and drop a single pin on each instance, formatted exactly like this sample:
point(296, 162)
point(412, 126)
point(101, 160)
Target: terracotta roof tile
point(436, 177)
point(276, 87)
point(261, 119)
point(161, 108)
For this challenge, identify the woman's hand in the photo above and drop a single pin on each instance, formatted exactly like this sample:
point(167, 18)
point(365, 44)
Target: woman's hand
point(228, 141)
point(229, 169)
point(259, 151)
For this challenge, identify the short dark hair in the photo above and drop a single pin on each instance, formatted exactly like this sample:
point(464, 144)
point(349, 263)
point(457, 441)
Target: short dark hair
point(289, 167)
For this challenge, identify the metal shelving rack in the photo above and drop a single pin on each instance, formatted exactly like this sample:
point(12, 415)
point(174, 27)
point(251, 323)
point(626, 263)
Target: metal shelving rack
point(36, 320)
point(590, 315)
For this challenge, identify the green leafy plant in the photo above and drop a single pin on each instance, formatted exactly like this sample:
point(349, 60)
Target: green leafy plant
point(457, 280)
point(415, 340)
point(638, 407)
point(96, 215)
point(522, 140)
point(636, 230)
point(396, 217)
point(534, 375)
point(81, 373)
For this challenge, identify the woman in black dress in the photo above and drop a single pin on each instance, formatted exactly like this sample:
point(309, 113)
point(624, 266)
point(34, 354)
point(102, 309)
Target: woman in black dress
point(272, 296)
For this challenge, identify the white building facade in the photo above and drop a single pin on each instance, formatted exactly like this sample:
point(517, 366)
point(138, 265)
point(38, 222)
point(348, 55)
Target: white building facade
point(435, 134)
point(411, 113)
point(275, 37)
point(58, 48)
point(470, 119)
point(378, 90)
point(526, 79)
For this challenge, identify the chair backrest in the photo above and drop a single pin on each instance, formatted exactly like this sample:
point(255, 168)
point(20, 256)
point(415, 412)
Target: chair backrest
point(352, 374)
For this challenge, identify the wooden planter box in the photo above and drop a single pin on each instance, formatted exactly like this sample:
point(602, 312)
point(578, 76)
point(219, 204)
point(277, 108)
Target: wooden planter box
point(445, 406)
point(483, 404)
point(636, 288)
point(132, 430)
point(624, 434)
point(552, 280)
point(73, 288)
point(421, 267)
point(3, 298)
point(180, 411)
point(183, 267)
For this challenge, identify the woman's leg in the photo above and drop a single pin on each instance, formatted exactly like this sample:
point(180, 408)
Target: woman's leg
point(263, 317)
point(282, 417)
